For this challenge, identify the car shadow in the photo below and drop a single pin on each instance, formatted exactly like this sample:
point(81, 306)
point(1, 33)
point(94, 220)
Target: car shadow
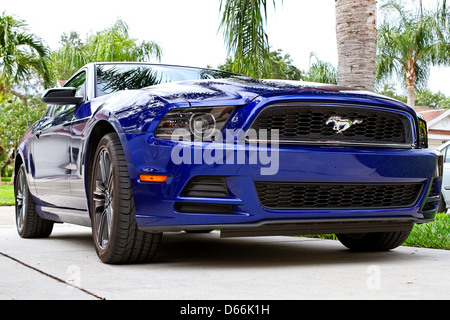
point(209, 250)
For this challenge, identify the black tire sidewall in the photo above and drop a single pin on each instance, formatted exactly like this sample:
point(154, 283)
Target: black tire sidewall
point(374, 242)
point(105, 253)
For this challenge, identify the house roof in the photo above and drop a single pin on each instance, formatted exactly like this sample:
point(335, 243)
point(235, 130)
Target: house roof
point(432, 115)
point(62, 82)
point(438, 122)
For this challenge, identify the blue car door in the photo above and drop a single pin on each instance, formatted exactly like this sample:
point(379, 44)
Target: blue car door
point(52, 152)
point(78, 144)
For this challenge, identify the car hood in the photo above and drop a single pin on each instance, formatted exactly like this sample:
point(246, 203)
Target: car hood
point(136, 109)
point(242, 91)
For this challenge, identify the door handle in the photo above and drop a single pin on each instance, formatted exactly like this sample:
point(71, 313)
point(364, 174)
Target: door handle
point(38, 134)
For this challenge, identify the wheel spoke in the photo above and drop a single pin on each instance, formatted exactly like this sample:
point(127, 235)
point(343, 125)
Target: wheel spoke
point(109, 184)
point(99, 193)
point(103, 229)
point(109, 212)
point(100, 230)
point(105, 167)
point(20, 215)
point(19, 199)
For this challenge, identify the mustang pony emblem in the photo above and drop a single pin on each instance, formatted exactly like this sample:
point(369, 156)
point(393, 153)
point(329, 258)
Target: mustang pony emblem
point(341, 125)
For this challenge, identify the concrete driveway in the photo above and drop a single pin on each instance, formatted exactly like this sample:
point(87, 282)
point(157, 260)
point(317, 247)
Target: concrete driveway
point(205, 267)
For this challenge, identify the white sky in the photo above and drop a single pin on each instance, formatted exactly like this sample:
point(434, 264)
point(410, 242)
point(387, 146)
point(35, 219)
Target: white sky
point(187, 30)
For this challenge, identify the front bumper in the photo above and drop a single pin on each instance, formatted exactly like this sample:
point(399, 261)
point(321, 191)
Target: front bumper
point(158, 204)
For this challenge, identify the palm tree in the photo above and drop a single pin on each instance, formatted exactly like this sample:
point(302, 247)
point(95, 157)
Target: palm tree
point(243, 24)
point(115, 44)
point(70, 57)
point(321, 71)
point(356, 37)
point(111, 44)
point(409, 43)
point(281, 66)
point(22, 54)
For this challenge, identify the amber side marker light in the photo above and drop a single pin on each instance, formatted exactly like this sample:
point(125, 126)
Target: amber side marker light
point(153, 178)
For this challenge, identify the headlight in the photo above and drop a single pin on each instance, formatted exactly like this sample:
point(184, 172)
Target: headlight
point(423, 133)
point(194, 123)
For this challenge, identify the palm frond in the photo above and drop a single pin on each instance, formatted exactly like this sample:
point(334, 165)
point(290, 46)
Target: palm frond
point(111, 44)
point(21, 52)
point(410, 42)
point(243, 25)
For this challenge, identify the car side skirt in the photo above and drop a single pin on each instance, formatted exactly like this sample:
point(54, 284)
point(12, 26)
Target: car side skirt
point(64, 215)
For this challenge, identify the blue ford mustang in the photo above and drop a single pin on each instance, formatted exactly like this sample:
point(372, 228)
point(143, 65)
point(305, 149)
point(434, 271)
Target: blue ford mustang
point(134, 150)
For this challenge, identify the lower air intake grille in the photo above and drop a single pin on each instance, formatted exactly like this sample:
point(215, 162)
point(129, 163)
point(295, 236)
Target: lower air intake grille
point(206, 187)
point(285, 196)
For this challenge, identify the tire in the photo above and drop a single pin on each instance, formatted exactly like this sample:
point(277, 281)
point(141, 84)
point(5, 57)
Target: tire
point(115, 233)
point(372, 242)
point(29, 224)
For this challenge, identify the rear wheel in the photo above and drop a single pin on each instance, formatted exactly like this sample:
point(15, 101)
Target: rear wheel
point(29, 224)
point(116, 236)
point(379, 241)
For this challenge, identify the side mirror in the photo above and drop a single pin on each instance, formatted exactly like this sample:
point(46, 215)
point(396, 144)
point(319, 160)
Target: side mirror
point(61, 96)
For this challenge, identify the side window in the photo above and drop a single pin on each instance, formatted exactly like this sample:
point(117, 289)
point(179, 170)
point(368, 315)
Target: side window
point(79, 83)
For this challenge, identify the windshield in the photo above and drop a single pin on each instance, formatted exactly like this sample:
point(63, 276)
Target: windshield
point(116, 77)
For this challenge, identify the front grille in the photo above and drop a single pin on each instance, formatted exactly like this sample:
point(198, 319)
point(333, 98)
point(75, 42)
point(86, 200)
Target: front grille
point(285, 196)
point(335, 124)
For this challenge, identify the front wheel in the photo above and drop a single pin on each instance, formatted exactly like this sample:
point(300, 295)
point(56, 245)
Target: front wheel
point(371, 242)
point(116, 237)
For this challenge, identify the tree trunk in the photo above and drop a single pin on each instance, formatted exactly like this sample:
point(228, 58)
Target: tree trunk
point(356, 36)
point(410, 80)
point(410, 96)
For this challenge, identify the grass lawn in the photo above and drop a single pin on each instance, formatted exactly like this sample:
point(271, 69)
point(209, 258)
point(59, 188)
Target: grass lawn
point(432, 235)
point(6, 193)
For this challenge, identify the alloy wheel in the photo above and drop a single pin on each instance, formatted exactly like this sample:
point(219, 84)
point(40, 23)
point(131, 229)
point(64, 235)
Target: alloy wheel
point(103, 198)
point(21, 200)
